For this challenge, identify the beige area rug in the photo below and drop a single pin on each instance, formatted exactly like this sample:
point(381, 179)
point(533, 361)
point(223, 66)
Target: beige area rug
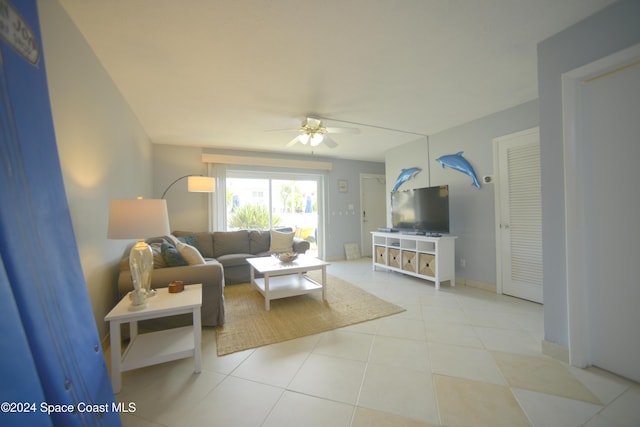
point(249, 325)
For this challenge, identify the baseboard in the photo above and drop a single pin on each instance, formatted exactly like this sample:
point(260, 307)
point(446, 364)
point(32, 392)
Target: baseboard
point(340, 258)
point(491, 287)
point(555, 351)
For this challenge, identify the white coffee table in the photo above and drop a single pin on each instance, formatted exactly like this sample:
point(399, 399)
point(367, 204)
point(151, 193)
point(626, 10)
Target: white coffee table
point(282, 280)
point(155, 347)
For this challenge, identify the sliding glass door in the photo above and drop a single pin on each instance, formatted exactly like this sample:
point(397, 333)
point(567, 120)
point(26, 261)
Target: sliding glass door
point(266, 201)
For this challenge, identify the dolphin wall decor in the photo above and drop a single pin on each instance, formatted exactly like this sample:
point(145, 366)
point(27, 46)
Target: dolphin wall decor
point(405, 175)
point(459, 163)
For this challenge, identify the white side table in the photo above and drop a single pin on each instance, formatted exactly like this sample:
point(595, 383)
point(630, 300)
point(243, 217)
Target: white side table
point(155, 347)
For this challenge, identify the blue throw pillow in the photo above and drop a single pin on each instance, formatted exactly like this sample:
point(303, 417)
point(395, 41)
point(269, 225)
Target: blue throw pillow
point(171, 256)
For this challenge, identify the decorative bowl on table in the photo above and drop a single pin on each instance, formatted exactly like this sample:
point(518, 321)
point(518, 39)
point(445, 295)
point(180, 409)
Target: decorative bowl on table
point(286, 257)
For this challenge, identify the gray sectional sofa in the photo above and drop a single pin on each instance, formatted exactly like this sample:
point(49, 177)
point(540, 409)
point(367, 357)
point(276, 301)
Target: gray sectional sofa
point(232, 248)
point(223, 262)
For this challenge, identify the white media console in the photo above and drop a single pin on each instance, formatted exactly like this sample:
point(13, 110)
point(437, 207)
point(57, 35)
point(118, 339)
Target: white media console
point(430, 258)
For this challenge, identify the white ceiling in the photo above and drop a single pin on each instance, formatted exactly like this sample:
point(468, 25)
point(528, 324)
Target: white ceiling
point(220, 73)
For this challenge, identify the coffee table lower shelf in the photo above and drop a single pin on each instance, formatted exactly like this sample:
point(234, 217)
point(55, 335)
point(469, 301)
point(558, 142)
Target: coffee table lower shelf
point(282, 280)
point(289, 285)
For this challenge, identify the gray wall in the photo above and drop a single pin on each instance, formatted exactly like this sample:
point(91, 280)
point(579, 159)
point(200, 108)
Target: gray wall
point(104, 153)
point(190, 212)
point(472, 210)
point(600, 35)
point(187, 211)
point(345, 228)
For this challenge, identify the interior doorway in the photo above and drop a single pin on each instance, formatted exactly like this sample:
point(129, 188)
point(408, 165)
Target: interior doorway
point(601, 102)
point(373, 212)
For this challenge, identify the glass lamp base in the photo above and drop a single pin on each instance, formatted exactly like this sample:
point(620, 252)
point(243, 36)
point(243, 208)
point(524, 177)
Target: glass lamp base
point(138, 297)
point(138, 307)
point(141, 266)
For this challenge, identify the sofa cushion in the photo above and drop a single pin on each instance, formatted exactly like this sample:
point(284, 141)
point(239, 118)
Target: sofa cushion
point(233, 260)
point(281, 242)
point(171, 256)
point(190, 254)
point(230, 242)
point(203, 238)
point(259, 241)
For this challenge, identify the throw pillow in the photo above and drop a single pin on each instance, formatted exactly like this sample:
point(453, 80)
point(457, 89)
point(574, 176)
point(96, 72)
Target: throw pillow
point(191, 241)
point(158, 260)
point(281, 242)
point(171, 256)
point(190, 254)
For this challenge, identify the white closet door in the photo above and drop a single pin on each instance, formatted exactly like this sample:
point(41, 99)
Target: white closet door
point(520, 221)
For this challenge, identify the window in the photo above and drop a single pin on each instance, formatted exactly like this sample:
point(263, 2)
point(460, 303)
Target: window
point(275, 201)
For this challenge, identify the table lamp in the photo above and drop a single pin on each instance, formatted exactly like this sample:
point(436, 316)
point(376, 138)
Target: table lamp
point(138, 219)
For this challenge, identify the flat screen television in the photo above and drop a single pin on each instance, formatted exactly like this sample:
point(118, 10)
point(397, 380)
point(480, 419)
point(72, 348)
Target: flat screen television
point(421, 210)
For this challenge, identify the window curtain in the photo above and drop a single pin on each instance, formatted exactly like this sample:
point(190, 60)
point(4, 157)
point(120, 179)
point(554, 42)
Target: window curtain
point(50, 346)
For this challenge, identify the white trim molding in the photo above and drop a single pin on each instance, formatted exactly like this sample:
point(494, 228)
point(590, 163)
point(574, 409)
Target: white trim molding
point(225, 159)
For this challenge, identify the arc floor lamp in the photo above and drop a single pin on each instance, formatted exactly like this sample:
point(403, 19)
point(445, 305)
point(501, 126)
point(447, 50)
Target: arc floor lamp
point(195, 184)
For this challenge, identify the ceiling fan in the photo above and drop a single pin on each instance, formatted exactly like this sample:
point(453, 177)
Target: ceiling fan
point(314, 133)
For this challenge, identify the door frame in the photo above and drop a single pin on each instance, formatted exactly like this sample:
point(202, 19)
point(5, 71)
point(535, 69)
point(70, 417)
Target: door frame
point(364, 176)
point(498, 199)
point(574, 244)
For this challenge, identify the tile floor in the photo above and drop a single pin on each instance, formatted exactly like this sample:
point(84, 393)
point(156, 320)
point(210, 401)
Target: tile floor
point(457, 357)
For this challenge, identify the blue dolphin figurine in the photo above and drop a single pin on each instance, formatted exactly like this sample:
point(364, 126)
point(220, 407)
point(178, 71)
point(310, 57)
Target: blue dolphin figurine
point(405, 175)
point(459, 163)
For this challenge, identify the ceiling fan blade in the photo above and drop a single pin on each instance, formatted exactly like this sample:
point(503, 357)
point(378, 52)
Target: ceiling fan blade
point(329, 142)
point(343, 130)
point(293, 141)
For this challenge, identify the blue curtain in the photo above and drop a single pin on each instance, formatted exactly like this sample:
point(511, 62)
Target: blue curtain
point(52, 360)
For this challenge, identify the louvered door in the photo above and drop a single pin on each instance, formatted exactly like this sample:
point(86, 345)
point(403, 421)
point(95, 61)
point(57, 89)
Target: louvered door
point(520, 222)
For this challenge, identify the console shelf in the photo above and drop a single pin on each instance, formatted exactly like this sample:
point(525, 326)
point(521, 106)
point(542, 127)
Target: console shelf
point(430, 258)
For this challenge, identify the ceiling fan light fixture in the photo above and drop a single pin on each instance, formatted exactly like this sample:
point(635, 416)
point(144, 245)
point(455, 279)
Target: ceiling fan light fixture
point(316, 139)
point(304, 138)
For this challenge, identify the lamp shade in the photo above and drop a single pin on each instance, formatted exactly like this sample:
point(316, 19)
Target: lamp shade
point(201, 184)
point(138, 218)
